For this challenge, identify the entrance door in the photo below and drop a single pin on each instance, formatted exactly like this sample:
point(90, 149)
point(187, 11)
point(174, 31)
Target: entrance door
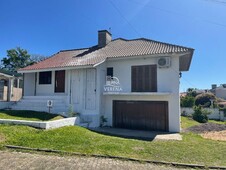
point(60, 81)
point(90, 89)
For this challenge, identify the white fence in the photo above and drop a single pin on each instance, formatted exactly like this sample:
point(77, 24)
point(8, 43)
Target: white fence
point(215, 113)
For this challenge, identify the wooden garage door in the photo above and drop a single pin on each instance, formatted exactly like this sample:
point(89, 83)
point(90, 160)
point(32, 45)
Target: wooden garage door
point(141, 115)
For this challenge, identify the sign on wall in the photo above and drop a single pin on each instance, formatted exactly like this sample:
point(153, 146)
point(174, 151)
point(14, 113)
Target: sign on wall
point(112, 84)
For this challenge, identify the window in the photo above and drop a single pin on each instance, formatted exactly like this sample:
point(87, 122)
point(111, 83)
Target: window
point(144, 78)
point(110, 71)
point(45, 77)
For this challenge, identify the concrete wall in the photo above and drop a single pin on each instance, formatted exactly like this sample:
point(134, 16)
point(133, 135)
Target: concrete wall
point(43, 125)
point(215, 113)
point(5, 105)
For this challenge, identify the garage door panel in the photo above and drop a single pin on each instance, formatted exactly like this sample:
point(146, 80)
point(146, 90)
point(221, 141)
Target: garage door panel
point(143, 115)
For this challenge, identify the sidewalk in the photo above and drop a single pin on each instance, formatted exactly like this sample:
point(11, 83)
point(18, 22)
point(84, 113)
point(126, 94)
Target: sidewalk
point(25, 161)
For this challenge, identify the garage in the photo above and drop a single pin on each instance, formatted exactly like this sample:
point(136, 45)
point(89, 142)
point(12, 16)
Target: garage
point(141, 115)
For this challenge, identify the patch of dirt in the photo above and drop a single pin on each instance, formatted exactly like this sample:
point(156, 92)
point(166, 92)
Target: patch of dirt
point(215, 135)
point(2, 138)
point(206, 127)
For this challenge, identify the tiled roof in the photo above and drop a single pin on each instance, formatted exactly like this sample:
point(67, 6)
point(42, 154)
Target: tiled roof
point(116, 48)
point(9, 73)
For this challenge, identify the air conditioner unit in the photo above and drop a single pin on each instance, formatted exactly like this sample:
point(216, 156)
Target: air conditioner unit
point(163, 62)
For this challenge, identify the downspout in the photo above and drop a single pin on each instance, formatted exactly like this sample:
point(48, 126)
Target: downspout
point(70, 95)
point(23, 86)
point(35, 83)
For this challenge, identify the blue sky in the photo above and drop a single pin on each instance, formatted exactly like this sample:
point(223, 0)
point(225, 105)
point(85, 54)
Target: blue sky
point(46, 26)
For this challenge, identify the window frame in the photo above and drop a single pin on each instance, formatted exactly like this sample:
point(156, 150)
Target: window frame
point(110, 71)
point(139, 78)
point(45, 77)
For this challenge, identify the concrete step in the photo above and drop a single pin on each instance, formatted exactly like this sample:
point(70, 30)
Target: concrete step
point(39, 103)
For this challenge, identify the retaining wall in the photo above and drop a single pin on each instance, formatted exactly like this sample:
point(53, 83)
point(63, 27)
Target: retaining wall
point(44, 125)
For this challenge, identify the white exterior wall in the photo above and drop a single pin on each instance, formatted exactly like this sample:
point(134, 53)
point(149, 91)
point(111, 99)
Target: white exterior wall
point(48, 89)
point(167, 82)
point(29, 84)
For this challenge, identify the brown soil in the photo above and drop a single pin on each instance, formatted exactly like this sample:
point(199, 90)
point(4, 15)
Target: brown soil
point(215, 135)
point(210, 131)
point(2, 138)
point(206, 127)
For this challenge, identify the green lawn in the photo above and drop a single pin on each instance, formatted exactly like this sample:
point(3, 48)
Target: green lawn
point(187, 122)
point(218, 122)
point(28, 115)
point(193, 148)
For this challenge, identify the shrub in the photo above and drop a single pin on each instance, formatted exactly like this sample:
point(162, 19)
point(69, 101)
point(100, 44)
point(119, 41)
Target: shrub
point(200, 114)
point(204, 99)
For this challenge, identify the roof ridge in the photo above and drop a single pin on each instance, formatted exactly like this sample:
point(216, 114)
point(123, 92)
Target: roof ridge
point(167, 43)
point(75, 49)
point(150, 40)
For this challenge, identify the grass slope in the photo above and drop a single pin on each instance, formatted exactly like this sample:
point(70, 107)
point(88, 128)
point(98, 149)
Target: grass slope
point(28, 115)
point(193, 148)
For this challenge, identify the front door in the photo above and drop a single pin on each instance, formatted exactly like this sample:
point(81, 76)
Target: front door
point(76, 86)
point(90, 103)
point(60, 81)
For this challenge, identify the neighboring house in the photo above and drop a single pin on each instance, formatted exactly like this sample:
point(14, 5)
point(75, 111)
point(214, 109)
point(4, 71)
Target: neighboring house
point(10, 86)
point(219, 91)
point(141, 90)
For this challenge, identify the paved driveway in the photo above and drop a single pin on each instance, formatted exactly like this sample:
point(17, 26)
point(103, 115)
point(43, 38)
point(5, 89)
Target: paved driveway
point(18, 160)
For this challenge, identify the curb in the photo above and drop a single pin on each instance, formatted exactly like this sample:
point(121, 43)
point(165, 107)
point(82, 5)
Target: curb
point(117, 157)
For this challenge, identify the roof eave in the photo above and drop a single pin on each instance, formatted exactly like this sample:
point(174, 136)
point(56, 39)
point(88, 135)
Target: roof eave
point(185, 60)
point(55, 69)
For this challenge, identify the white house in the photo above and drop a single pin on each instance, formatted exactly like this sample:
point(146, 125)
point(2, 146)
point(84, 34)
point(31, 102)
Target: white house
point(219, 91)
point(132, 83)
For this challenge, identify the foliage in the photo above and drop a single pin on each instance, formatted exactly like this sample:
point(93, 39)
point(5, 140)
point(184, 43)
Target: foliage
point(200, 114)
point(191, 92)
point(204, 99)
point(103, 120)
point(16, 58)
point(187, 101)
point(28, 115)
point(71, 112)
point(38, 57)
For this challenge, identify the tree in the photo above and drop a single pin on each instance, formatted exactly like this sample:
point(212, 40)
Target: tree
point(204, 99)
point(16, 58)
point(191, 92)
point(187, 101)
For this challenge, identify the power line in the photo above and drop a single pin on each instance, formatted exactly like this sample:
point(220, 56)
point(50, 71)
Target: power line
point(217, 2)
point(188, 16)
point(120, 13)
